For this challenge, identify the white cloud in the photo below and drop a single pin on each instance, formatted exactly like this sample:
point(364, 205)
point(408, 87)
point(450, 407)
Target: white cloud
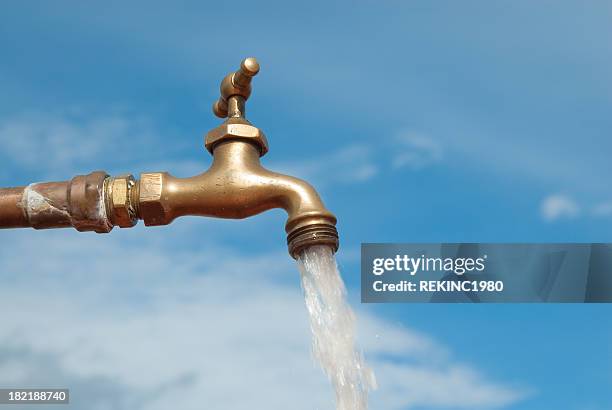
point(423, 387)
point(603, 209)
point(416, 151)
point(49, 141)
point(351, 164)
point(55, 146)
point(360, 162)
point(60, 144)
point(555, 207)
point(136, 316)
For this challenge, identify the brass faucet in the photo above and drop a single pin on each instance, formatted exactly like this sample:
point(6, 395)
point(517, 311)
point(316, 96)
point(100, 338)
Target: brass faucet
point(236, 186)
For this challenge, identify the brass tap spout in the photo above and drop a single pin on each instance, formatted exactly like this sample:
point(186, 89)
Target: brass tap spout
point(236, 186)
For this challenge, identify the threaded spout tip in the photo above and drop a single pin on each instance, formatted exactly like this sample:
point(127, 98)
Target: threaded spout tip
point(313, 234)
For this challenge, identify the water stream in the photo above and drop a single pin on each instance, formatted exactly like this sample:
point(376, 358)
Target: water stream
point(332, 322)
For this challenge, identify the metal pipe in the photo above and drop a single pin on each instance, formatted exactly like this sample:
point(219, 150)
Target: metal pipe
point(12, 214)
point(236, 186)
point(78, 203)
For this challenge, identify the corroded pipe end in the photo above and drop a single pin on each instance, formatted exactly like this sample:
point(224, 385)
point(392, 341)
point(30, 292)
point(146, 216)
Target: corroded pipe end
point(309, 230)
point(79, 203)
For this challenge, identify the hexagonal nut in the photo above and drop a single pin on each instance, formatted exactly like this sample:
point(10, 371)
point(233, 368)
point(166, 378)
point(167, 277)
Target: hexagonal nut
point(151, 206)
point(120, 201)
point(236, 131)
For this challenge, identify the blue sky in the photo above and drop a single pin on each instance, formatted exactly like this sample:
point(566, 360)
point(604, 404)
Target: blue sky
point(418, 121)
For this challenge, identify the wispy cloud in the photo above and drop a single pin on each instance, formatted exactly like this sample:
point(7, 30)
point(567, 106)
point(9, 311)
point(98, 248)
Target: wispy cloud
point(416, 151)
point(181, 328)
point(559, 206)
point(36, 140)
point(603, 209)
point(58, 144)
point(448, 387)
point(351, 164)
point(362, 162)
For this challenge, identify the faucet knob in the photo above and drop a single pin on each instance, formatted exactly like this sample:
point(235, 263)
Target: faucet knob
point(236, 84)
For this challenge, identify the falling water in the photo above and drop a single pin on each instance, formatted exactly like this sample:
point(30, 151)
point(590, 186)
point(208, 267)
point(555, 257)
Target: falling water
point(333, 329)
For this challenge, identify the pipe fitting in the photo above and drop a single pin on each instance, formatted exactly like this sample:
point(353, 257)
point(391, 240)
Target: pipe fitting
point(236, 129)
point(87, 205)
point(79, 203)
point(152, 209)
point(119, 197)
point(312, 229)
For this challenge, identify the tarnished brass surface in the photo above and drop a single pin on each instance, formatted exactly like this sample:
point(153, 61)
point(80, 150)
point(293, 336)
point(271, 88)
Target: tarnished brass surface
point(150, 199)
point(237, 83)
point(235, 186)
point(236, 129)
point(119, 201)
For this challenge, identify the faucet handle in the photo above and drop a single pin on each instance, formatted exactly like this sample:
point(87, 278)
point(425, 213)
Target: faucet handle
point(236, 84)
